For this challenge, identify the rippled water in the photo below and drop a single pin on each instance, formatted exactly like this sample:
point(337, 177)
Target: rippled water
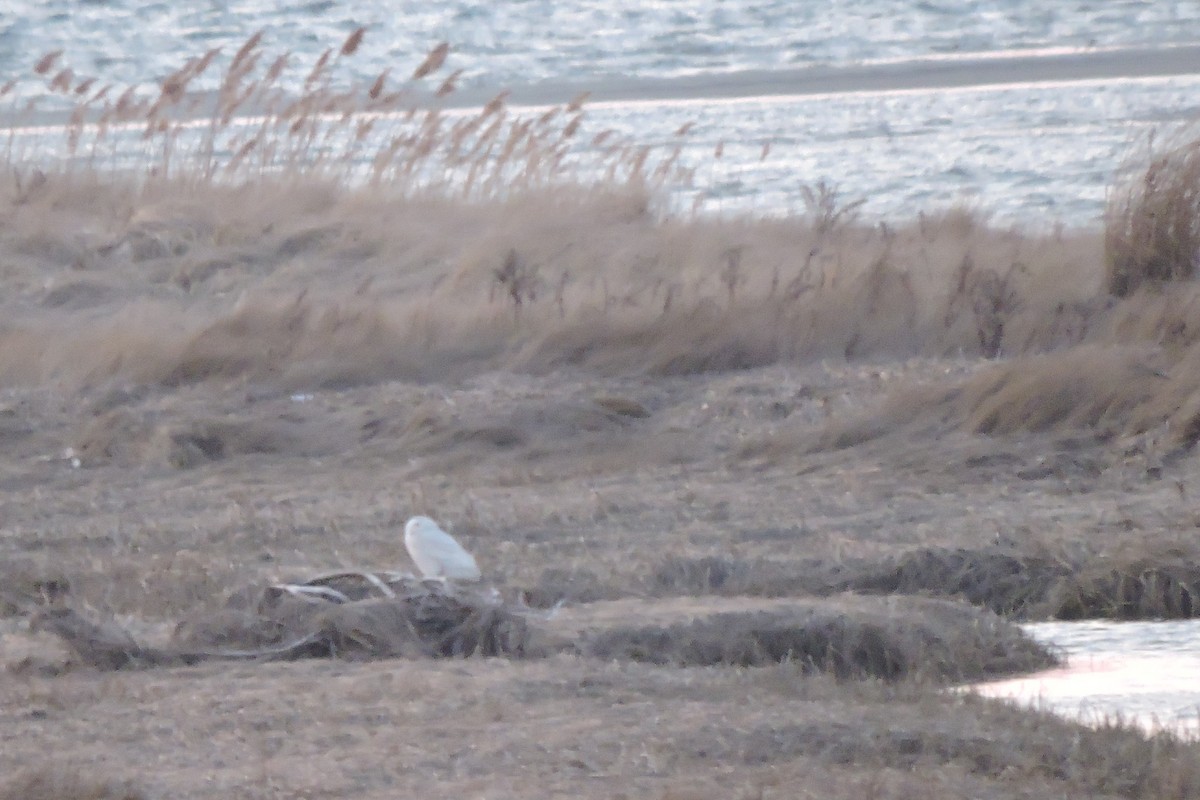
point(1025, 153)
point(1032, 151)
point(519, 41)
point(1148, 672)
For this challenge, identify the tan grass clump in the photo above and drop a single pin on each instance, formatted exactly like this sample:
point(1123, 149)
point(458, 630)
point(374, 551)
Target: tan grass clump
point(1094, 388)
point(1086, 387)
point(1144, 398)
point(1152, 223)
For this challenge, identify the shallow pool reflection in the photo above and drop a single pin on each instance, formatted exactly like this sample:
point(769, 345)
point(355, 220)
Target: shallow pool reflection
point(1146, 672)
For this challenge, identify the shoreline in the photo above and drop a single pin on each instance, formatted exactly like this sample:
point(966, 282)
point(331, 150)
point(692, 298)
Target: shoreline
point(924, 73)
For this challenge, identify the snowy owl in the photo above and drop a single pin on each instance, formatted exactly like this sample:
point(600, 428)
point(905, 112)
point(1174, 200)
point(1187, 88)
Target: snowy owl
point(436, 553)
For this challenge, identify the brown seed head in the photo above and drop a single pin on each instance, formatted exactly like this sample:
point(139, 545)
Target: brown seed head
point(433, 61)
point(355, 39)
point(572, 126)
point(173, 86)
point(277, 68)
point(496, 103)
point(46, 62)
point(62, 81)
point(318, 68)
point(450, 84)
point(245, 49)
point(206, 60)
point(377, 86)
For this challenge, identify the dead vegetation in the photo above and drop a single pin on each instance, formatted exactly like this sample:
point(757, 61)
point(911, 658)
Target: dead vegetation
point(353, 616)
point(473, 241)
point(362, 616)
point(1149, 579)
point(1152, 224)
point(850, 638)
point(1139, 400)
point(259, 123)
point(323, 344)
point(1143, 580)
point(430, 297)
point(1004, 580)
point(1093, 388)
point(478, 242)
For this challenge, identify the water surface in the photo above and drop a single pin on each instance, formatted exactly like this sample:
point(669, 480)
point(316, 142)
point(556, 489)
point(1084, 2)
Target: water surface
point(1148, 672)
point(1019, 108)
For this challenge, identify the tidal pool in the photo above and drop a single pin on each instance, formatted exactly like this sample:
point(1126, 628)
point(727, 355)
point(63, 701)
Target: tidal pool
point(1145, 672)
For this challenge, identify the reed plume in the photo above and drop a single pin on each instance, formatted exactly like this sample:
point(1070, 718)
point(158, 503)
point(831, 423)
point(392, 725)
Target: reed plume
point(433, 62)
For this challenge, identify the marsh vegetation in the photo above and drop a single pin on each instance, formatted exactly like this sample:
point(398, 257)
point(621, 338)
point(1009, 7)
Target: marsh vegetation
point(786, 479)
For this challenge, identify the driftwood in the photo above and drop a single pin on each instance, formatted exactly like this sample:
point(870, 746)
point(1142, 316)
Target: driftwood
point(365, 616)
point(350, 615)
point(106, 645)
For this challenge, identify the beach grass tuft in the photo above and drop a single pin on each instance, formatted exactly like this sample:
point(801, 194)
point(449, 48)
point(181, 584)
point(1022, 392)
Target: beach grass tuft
point(1152, 223)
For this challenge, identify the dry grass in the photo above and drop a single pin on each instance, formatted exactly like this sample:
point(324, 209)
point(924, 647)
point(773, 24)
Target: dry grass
point(1142, 401)
point(1007, 581)
point(351, 313)
point(1143, 580)
point(847, 637)
point(1093, 387)
point(474, 241)
point(489, 240)
point(356, 616)
point(257, 123)
point(385, 727)
point(303, 288)
point(1152, 224)
point(361, 616)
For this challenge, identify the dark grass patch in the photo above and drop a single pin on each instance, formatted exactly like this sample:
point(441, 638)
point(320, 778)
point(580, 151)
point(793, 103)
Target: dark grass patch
point(1000, 579)
point(1144, 581)
point(63, 782)
point(1141, 581)
point(849, 637)
point(25, 585)
point(362, 616)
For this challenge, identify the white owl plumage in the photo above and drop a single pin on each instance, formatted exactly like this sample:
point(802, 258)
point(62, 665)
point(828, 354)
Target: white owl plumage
point(436, 553)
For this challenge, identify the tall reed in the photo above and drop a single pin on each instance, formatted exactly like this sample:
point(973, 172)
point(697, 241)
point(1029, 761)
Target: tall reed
point(393, 134)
